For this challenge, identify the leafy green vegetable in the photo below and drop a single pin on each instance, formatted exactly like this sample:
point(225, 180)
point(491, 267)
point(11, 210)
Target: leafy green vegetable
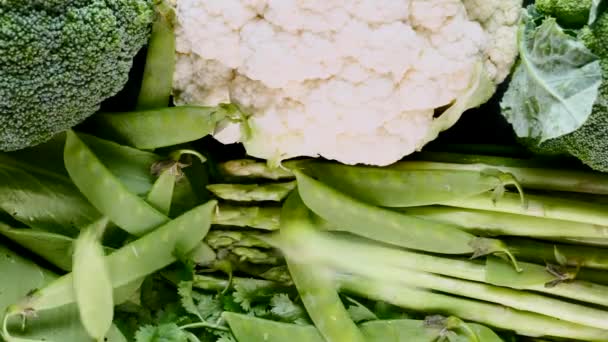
point(554, 85)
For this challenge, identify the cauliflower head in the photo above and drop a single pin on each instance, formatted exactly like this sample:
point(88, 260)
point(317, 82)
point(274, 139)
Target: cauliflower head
point(357, 81)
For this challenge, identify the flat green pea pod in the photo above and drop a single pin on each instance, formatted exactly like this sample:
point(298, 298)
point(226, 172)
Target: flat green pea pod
point(162, 127)
point(133, 261)
point(315, 284)
point(359, 218)
point(390, 187)
point(105, 192)
point(91, 281)
point(20, 275)
point(157, 82)
point(252, 329)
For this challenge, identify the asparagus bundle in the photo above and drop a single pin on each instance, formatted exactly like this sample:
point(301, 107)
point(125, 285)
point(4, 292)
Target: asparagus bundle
point(499, 241)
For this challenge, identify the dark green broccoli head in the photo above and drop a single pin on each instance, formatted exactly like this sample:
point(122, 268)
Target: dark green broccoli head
point(59, 59)
point(589, 143)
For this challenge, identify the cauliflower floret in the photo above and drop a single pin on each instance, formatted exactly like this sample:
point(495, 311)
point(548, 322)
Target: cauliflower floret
point(358, 81)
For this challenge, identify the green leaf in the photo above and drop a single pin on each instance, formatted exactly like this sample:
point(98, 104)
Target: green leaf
point(285, 309)
point(204, 306)
point(162, 333)
point(554, 85)
point(42, 199)
point(55, 248)
point(91, 281)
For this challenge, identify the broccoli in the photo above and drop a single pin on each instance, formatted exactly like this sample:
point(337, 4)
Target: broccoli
point(568, 13)
point(589, 143)
point(59, 59)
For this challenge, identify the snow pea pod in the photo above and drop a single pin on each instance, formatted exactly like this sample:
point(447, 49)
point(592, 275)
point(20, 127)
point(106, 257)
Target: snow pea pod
point(253, 329)
point(389, 187)
point(155, 128)
point(315, 284)
point(106, 192)
point(91, 281)
point(133, 261)
point(379, 224)
point(157, 81)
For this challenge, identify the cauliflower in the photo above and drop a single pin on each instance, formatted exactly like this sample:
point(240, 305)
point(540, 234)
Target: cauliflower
point(357, 81)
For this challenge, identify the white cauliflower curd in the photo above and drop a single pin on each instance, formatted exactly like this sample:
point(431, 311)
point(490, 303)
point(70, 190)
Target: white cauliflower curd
point(358, 81)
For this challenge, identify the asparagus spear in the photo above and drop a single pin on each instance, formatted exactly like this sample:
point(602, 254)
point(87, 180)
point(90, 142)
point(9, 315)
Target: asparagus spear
point(538, 206)
point(265, 218)
point(252, 192)
point(522, 322)
point(498, 223)
point(328, 248)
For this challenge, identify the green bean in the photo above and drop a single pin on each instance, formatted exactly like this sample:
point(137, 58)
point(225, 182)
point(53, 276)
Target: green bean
point(497, 223)
point(265, 218)
point(155, 128)
point(522, 322)
point(381, 224)
point(91, 281)
point(133, 261)
point(387, 187)
point(540, 206)
point(157, 82)
point(314, 284)
point(107, 193)
point(252, 192)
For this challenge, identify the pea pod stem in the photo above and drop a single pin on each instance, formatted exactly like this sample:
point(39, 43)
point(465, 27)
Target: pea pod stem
point(538, 206)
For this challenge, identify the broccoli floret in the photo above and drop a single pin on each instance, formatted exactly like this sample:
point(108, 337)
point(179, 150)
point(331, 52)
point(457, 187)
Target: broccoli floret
point(570, 13)
point(59, 59)
point(589, 143)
